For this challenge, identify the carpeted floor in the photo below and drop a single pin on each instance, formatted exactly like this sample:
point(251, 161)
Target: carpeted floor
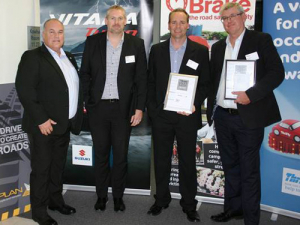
point(136, 213)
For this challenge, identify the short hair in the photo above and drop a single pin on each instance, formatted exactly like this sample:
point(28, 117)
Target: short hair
point(115, 7)
point(230, 5)
point(51, 19)
point(179, 10)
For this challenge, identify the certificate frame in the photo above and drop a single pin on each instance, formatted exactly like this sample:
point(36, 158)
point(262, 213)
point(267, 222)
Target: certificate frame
point(180, 93)
point(240, 75)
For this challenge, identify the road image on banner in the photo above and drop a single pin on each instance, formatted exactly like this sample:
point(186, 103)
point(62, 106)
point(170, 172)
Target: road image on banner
point(205, 22)
point(14, 156)
point(88, 18)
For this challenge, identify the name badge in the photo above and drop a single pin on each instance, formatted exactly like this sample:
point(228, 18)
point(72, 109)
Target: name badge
point(252, 56)
point(192, 64)
point(130, 59)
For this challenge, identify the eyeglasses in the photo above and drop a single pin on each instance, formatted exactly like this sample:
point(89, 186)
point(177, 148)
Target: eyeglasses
point(228, 18)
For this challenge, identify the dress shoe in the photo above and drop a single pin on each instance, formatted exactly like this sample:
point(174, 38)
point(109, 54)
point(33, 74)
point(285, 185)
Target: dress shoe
point(45, 221)
point(226, 216)
point(119, 204)
point(192, 215)
point(65, 209)
point(156, 210)
point(101, 203)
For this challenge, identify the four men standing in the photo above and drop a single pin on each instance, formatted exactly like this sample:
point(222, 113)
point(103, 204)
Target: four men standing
point(115, 82)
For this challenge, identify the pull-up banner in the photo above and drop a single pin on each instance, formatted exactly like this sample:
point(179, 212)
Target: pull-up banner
point(280, 153)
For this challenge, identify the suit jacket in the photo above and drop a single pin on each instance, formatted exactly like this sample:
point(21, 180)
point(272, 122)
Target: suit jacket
point(44, 94)
point(160, 67)
point(263, 109)
point(132, 77)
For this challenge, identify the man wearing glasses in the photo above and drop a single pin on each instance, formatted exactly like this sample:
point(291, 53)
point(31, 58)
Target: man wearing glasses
point(240, 123)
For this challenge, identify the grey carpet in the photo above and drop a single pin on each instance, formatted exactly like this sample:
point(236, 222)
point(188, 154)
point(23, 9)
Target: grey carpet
point(136, 213)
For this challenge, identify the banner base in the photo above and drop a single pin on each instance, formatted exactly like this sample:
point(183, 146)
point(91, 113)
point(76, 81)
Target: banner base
point(93, 189)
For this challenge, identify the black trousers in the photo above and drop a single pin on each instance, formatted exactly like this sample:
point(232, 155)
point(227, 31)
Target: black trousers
point(239, 148)
point(110, 131)
point(48, 158)
point(165, 127)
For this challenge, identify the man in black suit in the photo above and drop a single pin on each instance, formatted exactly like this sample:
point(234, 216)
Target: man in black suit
point(240, 123)
point(48, 88)
point(176, 55)
point(114, 77)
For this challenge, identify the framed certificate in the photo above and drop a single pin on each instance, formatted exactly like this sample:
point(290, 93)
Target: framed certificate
point(180, 94)
point(239, 76)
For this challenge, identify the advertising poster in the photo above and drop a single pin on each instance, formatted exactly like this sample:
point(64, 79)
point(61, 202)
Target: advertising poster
point(205, 22)
point(14, 156)
point(210, 175)
point(83, 19)
point(280, 152)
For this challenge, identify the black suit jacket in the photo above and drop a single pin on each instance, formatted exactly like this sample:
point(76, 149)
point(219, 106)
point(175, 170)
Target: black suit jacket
point(44, 94)
point(263, 109)
point(159, 70)
point(132, 77)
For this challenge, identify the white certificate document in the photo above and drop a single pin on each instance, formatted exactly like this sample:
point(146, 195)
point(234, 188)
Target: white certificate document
point(239, 75)
point(181, 92)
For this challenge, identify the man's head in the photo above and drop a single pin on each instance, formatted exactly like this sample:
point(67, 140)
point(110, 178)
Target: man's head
point(53, 34)
point(178, 23)
point(233, 18)
point(115, 19)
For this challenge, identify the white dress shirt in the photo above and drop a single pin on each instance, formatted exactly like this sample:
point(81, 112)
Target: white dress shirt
point(230, 53)
point(71, 78)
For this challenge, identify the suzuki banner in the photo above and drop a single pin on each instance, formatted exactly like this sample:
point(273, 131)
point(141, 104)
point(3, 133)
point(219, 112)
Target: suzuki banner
point(280, 152)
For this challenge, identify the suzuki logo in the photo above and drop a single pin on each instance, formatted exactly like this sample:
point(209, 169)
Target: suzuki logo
point(82, 152)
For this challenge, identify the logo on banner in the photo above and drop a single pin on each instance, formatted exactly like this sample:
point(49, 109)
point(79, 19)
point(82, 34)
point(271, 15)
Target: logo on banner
point(291, 181)
point(82, 155)
point(82, 152)
point(168, 2)
point(15, 193)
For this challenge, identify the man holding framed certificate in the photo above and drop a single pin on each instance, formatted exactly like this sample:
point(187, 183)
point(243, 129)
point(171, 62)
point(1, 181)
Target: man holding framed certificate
point(174, 106)
point(245, 69)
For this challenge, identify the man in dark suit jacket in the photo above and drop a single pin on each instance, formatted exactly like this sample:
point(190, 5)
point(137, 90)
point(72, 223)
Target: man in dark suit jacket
point(240, 123)
point(176, 55)
point(114, 77)
point(48, 88)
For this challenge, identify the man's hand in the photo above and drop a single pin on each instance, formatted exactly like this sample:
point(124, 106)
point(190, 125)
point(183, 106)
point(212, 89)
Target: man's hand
point(187, 114)
point(136, 118)
point(46, 128)
point(241, 97)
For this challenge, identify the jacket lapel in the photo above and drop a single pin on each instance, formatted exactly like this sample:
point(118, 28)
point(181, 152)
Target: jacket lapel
point(124, 52)
point(244, 45)
point(52, 61)
point(187, 55)
point(102, 49)
point(166, 55)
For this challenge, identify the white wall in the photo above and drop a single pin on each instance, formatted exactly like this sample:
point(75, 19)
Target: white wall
point(15, 16)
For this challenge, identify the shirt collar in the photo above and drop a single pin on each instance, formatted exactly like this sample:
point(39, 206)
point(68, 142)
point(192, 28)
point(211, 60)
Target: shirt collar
point(183, 46)
point(52, 52)
point(122, 39)
point(238, 40)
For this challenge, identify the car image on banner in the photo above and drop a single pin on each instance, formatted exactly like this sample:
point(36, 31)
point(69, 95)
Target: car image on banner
point(285, 137)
